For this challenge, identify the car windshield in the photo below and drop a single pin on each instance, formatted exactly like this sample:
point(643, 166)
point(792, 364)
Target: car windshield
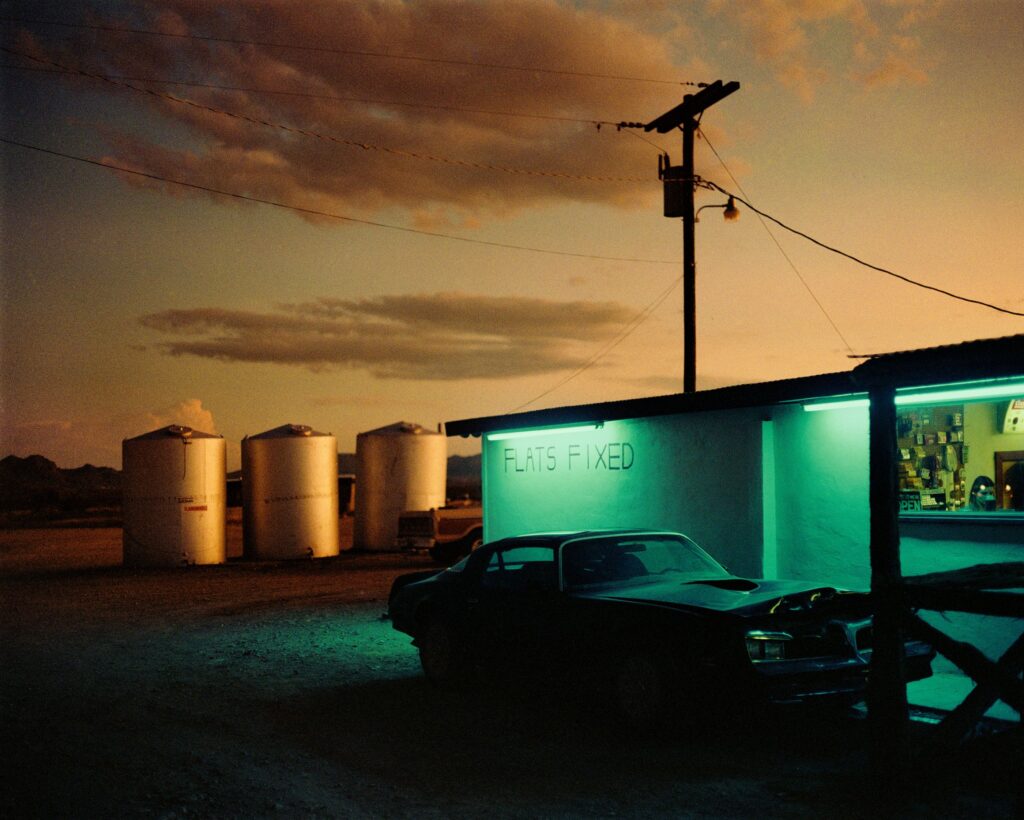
point(640, 558)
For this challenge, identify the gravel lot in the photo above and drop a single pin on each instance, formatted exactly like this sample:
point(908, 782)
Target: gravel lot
point(277, 690)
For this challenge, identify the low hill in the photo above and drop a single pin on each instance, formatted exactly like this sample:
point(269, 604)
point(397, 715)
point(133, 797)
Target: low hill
point(36, 483)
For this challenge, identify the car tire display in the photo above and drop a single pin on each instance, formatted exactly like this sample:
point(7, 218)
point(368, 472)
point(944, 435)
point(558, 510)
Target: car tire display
point(440, 656)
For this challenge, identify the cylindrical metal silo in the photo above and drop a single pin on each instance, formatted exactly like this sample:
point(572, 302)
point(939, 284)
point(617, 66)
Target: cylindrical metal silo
point(174, 498)
point(290, 494)
point(399, 467)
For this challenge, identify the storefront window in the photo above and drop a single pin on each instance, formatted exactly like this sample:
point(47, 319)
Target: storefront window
point(956, 457)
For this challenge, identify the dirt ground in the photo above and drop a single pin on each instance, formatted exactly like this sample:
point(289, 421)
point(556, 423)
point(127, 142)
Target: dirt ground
point(277, 690)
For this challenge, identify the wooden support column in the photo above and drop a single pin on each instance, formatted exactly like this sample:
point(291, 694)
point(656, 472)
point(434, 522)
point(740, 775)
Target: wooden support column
point(887, 689)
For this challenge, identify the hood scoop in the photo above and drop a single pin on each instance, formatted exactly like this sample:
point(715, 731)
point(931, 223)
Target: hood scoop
point(733, 584)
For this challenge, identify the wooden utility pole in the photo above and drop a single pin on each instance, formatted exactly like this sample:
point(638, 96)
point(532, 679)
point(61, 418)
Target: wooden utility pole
point(679, 188)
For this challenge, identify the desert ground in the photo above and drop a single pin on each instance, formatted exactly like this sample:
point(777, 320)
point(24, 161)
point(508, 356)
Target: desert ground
point(279, 690)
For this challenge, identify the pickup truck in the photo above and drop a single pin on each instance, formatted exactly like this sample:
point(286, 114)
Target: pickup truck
point(448, 533)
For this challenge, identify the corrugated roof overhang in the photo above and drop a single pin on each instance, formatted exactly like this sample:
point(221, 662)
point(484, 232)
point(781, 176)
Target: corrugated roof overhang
point(982, 359)
point(949, 364)
point(723, 398)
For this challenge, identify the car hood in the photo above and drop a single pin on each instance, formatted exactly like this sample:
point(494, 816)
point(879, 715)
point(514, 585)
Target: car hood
point(739, 596)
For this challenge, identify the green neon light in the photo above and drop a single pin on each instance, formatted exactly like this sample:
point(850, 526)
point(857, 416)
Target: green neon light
point(542, 431)
point(988, 390)
point(842, 404)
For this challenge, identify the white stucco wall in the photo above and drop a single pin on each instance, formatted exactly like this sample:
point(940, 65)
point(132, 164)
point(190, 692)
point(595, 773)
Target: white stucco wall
point(823, 520)
point(698, 473)
point(821, 491)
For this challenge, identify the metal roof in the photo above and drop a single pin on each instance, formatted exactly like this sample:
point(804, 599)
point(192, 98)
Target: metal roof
point(982, 359)
point(723, 398)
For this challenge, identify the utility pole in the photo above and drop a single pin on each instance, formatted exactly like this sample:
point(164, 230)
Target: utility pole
point(679, 184)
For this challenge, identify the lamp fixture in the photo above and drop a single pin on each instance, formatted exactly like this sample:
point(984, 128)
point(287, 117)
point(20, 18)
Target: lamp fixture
point(730, 212)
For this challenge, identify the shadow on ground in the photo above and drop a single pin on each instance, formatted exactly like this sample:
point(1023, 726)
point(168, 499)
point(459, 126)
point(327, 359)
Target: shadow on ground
point(521, 749)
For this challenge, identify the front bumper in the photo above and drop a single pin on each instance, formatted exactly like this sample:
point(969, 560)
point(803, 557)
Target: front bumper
point(804, 679)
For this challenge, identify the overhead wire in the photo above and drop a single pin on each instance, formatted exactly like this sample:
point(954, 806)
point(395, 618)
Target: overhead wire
point(851, 257)
point(620, 337)
point(352, 52)
point(327, 214)
point(308, 95)
point(778, 245)
point(367, 146)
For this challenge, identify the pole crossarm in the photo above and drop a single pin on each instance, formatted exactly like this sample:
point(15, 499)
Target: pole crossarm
point(691, 106)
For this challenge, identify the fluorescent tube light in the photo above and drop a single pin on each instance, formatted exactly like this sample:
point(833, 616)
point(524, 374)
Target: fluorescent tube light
point(542, 431)
point(840, 404)
point(972, 391)
point(992, 390)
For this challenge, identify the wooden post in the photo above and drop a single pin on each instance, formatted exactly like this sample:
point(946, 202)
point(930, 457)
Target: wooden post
point(887, 689)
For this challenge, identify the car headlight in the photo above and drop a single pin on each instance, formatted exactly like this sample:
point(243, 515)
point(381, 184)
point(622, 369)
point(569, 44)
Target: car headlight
point(767, 646)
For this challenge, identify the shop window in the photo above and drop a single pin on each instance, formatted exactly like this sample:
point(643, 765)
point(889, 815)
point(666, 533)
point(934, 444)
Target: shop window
point(966, 457)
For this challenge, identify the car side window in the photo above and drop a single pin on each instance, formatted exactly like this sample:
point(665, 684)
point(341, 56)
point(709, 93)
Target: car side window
point(521, 568)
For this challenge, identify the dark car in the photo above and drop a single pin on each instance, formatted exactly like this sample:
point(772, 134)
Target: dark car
point(650, 614)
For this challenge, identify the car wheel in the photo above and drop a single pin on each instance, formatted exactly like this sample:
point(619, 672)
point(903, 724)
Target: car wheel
point(640, 691)
point(440, 654)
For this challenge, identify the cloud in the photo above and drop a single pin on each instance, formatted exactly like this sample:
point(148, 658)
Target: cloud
point(286, 166)
point(442, 336)
point(792, 37)
point(188, 413)
point(900, 65)
point(71, 442)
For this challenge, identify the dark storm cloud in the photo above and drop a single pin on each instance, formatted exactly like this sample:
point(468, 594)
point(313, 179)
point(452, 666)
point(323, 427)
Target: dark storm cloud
point(445, 336)
point(266, 162)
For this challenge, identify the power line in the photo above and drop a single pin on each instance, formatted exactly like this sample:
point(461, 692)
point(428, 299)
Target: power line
point(351, 52)
point(314, 212)
point(778, 245)
point(332, 97)
point(886, 271)
point(620, 337)
point(482, 166)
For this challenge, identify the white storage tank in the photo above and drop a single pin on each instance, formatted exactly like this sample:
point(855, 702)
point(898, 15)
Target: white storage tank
point(290, 494)
point(174, 498)
point(398, 468)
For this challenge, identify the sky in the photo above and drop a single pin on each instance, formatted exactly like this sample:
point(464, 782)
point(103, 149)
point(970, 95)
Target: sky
point(347, 214)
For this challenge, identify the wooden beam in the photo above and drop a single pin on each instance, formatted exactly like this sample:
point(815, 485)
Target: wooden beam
point(1007, 604)
point(888, 714)
point(982, 670)
point(1002, 575)
point(960, 721)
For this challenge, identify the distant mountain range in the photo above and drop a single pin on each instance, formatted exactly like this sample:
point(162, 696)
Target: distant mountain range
point(35, 483)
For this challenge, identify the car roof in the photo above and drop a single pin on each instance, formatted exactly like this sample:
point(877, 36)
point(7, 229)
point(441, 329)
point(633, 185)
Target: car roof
point(560, 536)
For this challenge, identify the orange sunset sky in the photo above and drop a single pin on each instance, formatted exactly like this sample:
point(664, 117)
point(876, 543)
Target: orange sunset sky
point(892, 129)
